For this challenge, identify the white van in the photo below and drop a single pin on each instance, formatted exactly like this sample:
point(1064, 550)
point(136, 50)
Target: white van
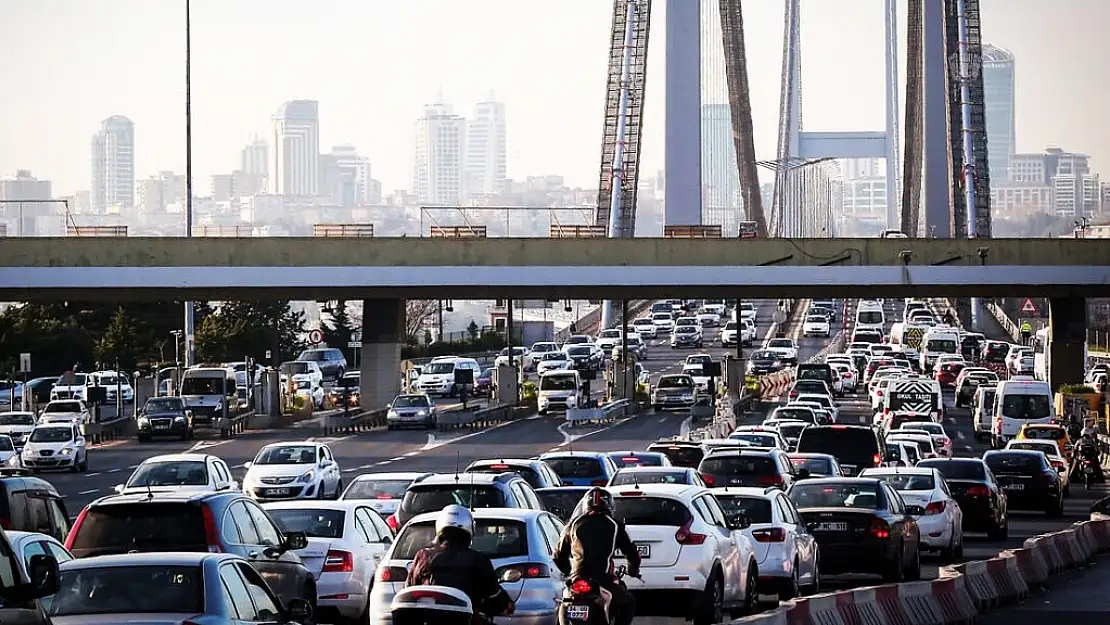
point(438, 376)
point(909, 336)
point(937, 342)
point(1018, 402)
point(982, 411)
point(870, 316)
point(207, 391)
point(560, 390)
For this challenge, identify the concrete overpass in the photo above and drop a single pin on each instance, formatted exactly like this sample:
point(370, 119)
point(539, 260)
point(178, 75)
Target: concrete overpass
point(419, 268)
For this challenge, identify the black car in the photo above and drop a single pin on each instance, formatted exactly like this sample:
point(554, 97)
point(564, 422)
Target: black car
point(818, 371)
point(856, 447)
point(585, 357)
point(30, 504)
point(40, 388)
point(818, 465)
point(165, 416)
point(728, 467)
point(975, 488)
point(764, 361)
point(1027, 478)
point(861, 526)
point(681, 453)
point(561, 500)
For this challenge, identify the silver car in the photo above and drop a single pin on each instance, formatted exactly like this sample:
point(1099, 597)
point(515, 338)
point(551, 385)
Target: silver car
point(411, 409)
point(512, 538)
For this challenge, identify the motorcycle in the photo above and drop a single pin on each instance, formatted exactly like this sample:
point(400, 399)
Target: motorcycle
point(1087, 470)
point(586, 602)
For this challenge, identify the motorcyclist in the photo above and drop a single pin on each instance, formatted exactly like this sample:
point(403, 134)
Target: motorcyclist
point(1087, 449)
point(449, 561)
point(587, 547)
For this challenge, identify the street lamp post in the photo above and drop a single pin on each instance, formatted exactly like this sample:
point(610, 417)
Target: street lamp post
point(190, 331)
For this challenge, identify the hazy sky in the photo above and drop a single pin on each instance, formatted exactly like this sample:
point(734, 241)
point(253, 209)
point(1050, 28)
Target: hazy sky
point(372, 64)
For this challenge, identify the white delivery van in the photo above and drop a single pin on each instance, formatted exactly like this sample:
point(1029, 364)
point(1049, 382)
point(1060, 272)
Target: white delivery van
point(909, 336)
point(438, 376)
point(870, 316)
point(982, 411)
point(207, 391)
point(560, 390)
point(937, 342)
point(1018, 402)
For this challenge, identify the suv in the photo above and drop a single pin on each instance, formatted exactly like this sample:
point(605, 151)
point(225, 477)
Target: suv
point(222, 522)
point(681, 453)
point(477, 490)
point(823, 372)
point(30, 504)
point(535, 472)
point(856, 447)
point(726, 467)
point(332, 362)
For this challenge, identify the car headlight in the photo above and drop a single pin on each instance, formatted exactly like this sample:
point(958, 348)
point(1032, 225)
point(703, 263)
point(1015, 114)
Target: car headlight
point(391, 414)
point(65, 452)
point(179, 419)
point(13, 461)
point(144, 421)
point(310, 476)
point(422, 413)
point(687, 396)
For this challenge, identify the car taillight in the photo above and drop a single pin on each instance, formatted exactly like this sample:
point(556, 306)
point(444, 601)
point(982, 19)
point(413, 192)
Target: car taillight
point(877, 459)
point(793, 394)
point(770, 480)
point(527, 570)
point(879, 529)
point(773, 535)
point(708, 479)
point(338, 562)
point(944, 441)
point(392, 574)
point(211, 532)
point(685, 537)
point(581, 587)
point(978, 491)
point(599, 483)
point(391, 521)
point(76, 527)
point(878, 393)
point(936, 507)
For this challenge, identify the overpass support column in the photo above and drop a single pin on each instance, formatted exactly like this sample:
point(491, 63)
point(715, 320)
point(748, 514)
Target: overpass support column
point(1067, 322)
point(383, 333)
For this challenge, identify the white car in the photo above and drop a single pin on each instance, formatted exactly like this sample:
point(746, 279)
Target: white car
point(646, 327)
point(27, 544)
point(114, 382)
point(732, 332)
point(942, 443)
point(297, 370)
point(553, 361)
point(694, 370)
point(824, 401)
point(17, 425)
point(785, 348)
point(65, 411)
point(688, 543)
point(8, 452)
point(849, 381)
point(747, 311)
point(787, 552)
point(381, 491)
point(716, 309)
point(942, 524)
point(55, 446)
point(522, 356)
point(924, 442)
point(174, 472)
point(281, 471)
point(539, 349)
point(708, 319)
point(305, 390)
point(664, 323)
point(608, 339)
point(71, 386)
point(816, 325)
point(346, 542)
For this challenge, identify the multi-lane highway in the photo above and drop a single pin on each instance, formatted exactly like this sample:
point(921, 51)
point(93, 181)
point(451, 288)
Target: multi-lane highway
point(443, 451)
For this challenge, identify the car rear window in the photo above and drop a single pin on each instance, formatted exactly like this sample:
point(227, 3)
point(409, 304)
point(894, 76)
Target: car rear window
point(1051, 434)
point(739, 465)
point(836, 495)
point(575, 467)
point(377, 489)
point(651, 511)
point(435, 498)
point(792, 430)
point(313, 522)
point(815, 466)
point(525, 472)
point(814, 372)
point(682, 456)
point(758, 440)
point(496, 538)
point(956, 470)
point(129, 589)
point(663, 476)
point(560, 502)
point(795, 413)
point(143, 527)
point(757, 509)
point(904, 481)
point(1014, 463)
point(853, 445)
point(811, 385)
point(636, 460)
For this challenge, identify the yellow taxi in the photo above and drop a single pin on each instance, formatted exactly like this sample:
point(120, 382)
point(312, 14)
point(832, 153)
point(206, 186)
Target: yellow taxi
point(1047, 431)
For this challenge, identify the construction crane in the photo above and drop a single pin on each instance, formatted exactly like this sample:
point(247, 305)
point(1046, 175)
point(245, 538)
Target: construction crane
point(624, 112)
point(740, 103)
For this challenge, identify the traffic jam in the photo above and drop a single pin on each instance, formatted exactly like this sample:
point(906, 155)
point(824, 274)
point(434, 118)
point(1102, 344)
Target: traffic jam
point(912, 444)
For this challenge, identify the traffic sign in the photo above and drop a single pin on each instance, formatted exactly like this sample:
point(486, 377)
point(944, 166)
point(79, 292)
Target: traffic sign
point(778, 317)
point(1028, 307)
point(354, 344)
point(25, 362)
point(316, 337)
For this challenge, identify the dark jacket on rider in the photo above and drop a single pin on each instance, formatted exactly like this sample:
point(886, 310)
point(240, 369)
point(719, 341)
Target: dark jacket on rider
point(451, 562)
point(587, 546)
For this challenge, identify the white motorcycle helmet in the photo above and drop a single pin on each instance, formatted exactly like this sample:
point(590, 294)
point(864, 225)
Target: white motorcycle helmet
point(455, 516)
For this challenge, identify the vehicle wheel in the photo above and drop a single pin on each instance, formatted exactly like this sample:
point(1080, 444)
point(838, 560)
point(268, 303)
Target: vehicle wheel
point(814, 587)
point(895, 572)
point(914, 572)
point(999, 532)
point(85, 463)
point(793, 589)
point(711, 609)
point(958, 553)
point(309, 595)
point(338, 489)
point(948, 553)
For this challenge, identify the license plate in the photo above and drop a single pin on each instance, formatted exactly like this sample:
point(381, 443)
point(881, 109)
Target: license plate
point(161, 427)
point(279, 491)
point(1013, 487)
point(578, 612)
point(643, 550)
point(832, 527)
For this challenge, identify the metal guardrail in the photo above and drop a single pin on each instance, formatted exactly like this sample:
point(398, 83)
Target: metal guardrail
point(234, 425)
point(1004, 320)
point(480, 418)
point(601, 414)
point(106, 431)
point(351, 422)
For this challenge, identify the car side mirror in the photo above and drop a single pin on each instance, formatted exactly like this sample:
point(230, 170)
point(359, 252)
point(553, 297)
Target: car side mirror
point(389, 406)
point(42, 573)
point(803, 474)
point(247, 464)
point(915, 510)
point(295, 541)
point(300, 610)
point(118, 488)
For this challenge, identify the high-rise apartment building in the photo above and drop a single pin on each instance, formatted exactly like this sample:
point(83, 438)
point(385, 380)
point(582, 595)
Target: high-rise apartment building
point(486, 149)
point(296, 170)
point(438, 171)
point(157, 192)
point(999, 102)
point(348, 177)
point(113, 166)
point(26, 219)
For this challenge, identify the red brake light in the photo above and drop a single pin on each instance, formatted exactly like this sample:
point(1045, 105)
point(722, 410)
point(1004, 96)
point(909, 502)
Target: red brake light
point(392, 574)
point(499, 466)
point(770, 480)
point(877, 459)
point(338, 562)
point(708, 479)
point(211, 532)
point(936, 507)
point(527, 570)
point(880, 529)
point(581, 587)
point(839, 427)
point(630, 459)
point(391, 521)
point(978, 491)
point(685, 537)
point(773, 535)
point(599, 483)
point(383, 496)
point(76, 526)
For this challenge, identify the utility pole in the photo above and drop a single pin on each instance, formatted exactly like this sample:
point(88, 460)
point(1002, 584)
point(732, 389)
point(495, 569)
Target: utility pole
point(190, 331)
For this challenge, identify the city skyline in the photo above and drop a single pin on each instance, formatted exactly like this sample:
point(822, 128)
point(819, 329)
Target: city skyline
point(556, 122)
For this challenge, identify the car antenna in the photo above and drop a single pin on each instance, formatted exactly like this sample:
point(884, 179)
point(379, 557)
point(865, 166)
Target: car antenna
point(149, 492)
point(457, 456)
point(471, 505)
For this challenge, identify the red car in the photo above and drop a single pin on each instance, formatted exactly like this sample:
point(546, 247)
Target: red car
point(948, 373)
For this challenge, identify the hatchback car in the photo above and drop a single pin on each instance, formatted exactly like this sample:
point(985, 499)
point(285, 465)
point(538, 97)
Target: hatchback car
point(656, 475)
point(535, 472)
point(581, 468)
point(382, 491)
point(477, 490)
point(640, 459)
point(413, 409)
point(293, 470)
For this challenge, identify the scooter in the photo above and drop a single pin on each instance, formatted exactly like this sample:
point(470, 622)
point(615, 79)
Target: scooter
point(1087, 469)
point(586, 602)
point(431, 605)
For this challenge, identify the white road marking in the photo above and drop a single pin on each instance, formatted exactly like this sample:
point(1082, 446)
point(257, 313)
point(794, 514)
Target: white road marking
point(397, 458)
point(383, 462)
point(88, 492)
point(113, 470)
point(687, 425)
point(91, 474)
point(411, 453)
point(206, 445)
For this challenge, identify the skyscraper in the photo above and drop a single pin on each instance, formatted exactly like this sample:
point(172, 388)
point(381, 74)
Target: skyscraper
point(296, 170)
point(351, 183)
point(439, 170)
point(113, 165)
point(255, 158)
point(998, 98)
point(486, 148)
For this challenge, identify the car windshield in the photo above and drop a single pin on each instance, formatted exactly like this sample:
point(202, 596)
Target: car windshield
point(439, 368)
point(904, 481)
point(1014, 463)
point(170, 473)
point(528, 473)
point(287, 454)
point(129, 589)
point(941, 345)
point(792, 430)
point(17, 419)
point(51, 435)
point(650, 511)
point(956, 469)
point(1053, 434)
point(202, 386)
point(582, 350)
point(433, 498)
point(314, 523)
point(662, 317)
point(869, 316)
point(411, 401)
point(144, 526)
point(765, 355)
point(759, 440)
point(560, 501)
point(575, 466)
point(637, 460)
point(781, 343)
point(650, 477)
point(315, 355)
point(376, 489)
point(686, 330)
point(757, 509)
point(1026, 406)
point(558, 383)
point(295, 367)
point(63, 406)
point(495, 538)
point(835, 495)
point(675, 382)
point(801, 414)
point(816, 319)
point(610, 334)
point(681, 455)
